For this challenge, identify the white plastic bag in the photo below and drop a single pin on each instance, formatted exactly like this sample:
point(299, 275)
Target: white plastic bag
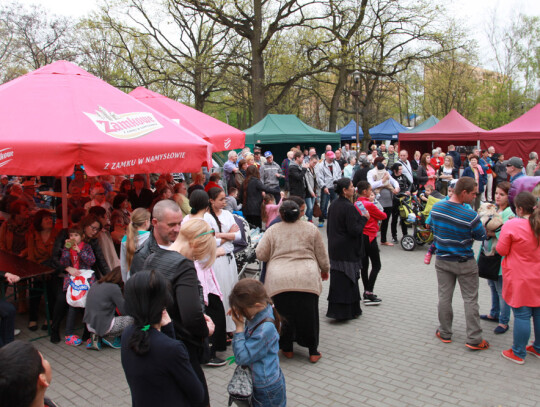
point(78, 288)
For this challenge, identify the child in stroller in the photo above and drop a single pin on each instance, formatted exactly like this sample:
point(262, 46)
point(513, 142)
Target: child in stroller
point(413, 213)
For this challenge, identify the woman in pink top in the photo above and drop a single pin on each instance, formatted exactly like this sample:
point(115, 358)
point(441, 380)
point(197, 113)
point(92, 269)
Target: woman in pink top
point(519, 241)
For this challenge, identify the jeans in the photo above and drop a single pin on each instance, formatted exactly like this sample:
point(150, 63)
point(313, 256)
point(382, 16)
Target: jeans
point(504, 314)
point(325, 200)
point(273, 395)
point(522, 329)
point(7, 322)
point(371, 253)
point(466, 273)
point(385, 222)
point(309, 207)
point(495, 301)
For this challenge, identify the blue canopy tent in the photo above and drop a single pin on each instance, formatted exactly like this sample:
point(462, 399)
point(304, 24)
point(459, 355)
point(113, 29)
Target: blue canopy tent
point(349, 132)
point(428, 123)
point(387, 130)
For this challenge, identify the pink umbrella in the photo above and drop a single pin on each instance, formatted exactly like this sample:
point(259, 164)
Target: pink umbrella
point(222, 136)
point(60, 115)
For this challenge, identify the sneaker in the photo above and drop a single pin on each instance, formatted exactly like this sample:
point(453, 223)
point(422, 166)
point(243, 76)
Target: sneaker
point(115, 344)
point(509, 354)
point(532, 351)
point(387, 244)
point(216, 362)
point(480, 346)
point(394, 240)
point(371, 299)
point(16, 332)
point(73, 340)
point(427, 258)
point(94, 343)
point(321, 224)
point(443, 340)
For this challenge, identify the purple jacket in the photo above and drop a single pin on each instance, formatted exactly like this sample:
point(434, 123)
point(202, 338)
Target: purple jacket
point(521, 184)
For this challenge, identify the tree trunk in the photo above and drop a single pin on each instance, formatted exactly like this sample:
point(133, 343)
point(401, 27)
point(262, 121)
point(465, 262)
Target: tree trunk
point(257, 65)
point(334, 104)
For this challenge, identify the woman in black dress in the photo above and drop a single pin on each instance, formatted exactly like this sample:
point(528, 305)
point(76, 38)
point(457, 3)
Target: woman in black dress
point(344, 230)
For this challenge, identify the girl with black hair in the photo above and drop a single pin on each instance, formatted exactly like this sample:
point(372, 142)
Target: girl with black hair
point(252, 196)
point(227, 231)
point(344, 231)
point(156, 364)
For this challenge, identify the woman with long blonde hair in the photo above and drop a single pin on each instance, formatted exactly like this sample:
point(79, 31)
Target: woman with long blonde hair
point(136, 234)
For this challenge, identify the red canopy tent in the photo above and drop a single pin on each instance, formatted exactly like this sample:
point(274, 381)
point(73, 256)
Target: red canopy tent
point(451, 129)
point(60, 115)
point(517, 138)
point(222, 136)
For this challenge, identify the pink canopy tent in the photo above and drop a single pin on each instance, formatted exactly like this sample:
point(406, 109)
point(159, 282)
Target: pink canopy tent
point(517, 138)
point(60, 115)
point(222, 136)
point(451, 129)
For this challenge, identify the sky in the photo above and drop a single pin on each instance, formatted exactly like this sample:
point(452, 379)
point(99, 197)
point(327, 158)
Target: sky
point(474, 15)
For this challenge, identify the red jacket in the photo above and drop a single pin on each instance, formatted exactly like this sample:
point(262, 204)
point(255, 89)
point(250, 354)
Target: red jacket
point(436, 162)
point(375, 215)
point(520, 266)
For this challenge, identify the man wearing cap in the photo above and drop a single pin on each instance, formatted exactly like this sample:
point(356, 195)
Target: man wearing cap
point(327, 172)
point(139, 196)
point(270, 174)
point(514, 168)
point(98, 199)
point(257, 157)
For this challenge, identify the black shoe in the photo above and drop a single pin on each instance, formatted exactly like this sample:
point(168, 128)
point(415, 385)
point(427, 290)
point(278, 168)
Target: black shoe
point(394, 240)
point(216, 362)
point(33, 328)
point(371, 299)
point(55, 337)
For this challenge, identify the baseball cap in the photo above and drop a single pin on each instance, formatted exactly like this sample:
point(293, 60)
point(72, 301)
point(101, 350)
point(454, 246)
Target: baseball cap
point(330, 154)
point(138, 177)
point(515, 162)
point(3, 176)
point(28, 184)
point(267, 154)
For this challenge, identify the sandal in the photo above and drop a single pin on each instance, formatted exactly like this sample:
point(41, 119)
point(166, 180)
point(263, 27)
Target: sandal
point(73, 340)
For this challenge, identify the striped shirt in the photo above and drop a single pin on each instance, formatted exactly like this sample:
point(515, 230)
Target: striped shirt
point(455, 228)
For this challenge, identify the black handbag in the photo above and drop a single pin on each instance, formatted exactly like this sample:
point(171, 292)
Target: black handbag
point(489, 266)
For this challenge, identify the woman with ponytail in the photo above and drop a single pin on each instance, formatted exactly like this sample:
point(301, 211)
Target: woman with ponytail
point(519, 242)
point(227, 231)
point(156, 364)
point(136, 234)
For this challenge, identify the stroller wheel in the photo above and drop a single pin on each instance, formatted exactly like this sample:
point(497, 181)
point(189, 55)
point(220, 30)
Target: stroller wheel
point(408, 243)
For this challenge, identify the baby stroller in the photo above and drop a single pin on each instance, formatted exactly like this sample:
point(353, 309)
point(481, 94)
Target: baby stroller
point(244, 249)
point(412, 213)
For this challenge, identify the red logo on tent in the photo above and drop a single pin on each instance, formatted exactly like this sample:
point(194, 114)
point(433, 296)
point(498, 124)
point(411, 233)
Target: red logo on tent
point(6, 155)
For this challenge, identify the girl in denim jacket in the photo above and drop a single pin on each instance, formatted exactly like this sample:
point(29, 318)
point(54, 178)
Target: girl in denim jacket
point(256, 341)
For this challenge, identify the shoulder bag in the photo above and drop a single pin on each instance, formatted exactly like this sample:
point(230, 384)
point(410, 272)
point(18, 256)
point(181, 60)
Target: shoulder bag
point(489, 266)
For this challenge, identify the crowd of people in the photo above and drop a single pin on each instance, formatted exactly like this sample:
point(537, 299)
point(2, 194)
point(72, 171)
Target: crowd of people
point(164, 279)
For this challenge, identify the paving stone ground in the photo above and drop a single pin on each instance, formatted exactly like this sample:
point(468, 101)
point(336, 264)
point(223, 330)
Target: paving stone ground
point(387, 357)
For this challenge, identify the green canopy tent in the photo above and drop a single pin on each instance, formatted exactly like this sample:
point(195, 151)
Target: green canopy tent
point(427, 124)
point(279, 132)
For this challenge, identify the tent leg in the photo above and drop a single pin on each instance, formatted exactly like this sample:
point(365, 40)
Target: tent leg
point(64, 203)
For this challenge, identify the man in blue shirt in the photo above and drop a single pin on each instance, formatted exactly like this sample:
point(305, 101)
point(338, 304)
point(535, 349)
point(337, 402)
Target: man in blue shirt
point(455, 227)
point(514, 168)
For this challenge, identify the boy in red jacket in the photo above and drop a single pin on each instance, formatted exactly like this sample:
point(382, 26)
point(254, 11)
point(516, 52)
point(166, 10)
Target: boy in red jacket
point(371, 250)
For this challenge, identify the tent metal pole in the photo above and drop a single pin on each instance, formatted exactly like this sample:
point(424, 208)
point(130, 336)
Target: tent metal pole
point(64, 203)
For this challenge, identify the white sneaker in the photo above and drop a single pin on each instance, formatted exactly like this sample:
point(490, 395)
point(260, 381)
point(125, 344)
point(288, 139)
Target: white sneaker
point(16, 332)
